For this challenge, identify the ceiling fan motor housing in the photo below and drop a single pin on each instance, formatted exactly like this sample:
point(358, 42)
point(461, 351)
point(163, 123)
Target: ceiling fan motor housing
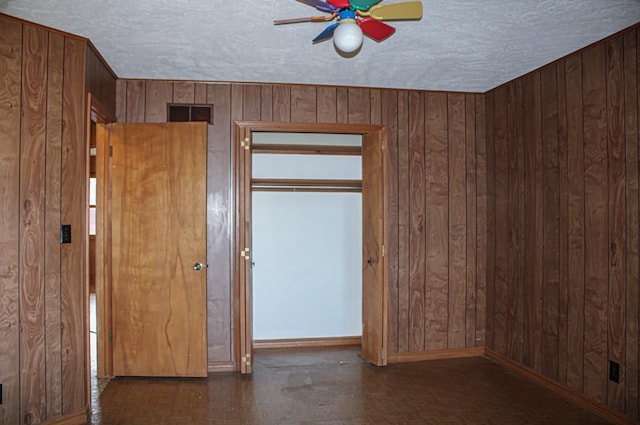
point(346, 14)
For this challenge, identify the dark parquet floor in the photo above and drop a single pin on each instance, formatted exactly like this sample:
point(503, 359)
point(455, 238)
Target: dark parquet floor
point(334, 386)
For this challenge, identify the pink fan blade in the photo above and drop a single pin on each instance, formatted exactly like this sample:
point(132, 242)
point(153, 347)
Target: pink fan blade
point(340, 4)
point(375, 29)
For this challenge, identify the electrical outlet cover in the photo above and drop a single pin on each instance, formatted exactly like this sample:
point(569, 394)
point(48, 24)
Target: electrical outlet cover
point(614, 371)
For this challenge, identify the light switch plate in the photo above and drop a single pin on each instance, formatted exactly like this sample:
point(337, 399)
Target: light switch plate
point(65, 233)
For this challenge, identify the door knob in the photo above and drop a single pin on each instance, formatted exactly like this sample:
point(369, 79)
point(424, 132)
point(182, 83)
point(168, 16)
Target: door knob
point(198, 266)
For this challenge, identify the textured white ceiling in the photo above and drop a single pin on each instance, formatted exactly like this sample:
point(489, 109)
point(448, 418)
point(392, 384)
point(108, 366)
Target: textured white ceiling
point(459, 45)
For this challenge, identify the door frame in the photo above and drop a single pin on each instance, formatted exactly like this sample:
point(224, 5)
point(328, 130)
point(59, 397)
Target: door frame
point(241, 194)
point(97, 113)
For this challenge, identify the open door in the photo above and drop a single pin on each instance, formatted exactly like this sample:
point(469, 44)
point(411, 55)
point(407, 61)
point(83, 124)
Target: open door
point(103, 252)
point(373, 269)
point(243, 228)
point(158, 247)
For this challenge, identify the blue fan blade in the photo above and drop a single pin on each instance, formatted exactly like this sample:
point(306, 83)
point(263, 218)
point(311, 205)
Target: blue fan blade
point(320, 5)
point(326, 34)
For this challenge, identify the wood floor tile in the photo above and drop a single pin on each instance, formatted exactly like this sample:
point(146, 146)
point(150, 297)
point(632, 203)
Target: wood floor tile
point(334, 386)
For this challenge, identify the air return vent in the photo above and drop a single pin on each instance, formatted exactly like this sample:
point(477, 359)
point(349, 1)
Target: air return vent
point(180, 112)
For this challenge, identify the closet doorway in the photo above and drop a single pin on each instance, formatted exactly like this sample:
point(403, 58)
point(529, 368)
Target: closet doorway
point(258, 179)
point(306, 241)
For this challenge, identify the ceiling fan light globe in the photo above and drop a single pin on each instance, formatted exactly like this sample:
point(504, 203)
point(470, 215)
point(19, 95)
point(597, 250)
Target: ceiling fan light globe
point(347, 37)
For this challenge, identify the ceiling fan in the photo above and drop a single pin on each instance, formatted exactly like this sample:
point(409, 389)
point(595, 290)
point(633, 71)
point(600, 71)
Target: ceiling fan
point(355, 17)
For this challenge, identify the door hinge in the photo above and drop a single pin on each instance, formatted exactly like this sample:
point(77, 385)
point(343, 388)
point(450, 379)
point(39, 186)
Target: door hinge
point(383, 251)
point(245, 143)
point(110, 335)
point(246, 359)
point(383, 145)
point(245, 253)
point(110, 150)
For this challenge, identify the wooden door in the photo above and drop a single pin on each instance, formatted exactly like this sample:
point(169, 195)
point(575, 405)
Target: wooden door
point(243, 200)
point(103, 252)
point(158, 235)
point(373, 268)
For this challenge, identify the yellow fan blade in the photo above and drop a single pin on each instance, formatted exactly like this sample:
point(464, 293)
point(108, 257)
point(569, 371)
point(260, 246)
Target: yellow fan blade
point(409, 10)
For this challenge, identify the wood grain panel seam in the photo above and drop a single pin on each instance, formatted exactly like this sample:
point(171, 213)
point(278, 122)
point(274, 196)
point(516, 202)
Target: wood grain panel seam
point(392, 158)
point(563, 254)
point(466, 227)
point(417, 152)
point(32, 243)
point(596, 251)
point(72, 211)
point(631, 79)
point(404, 220)
point(471, 239)
point(616, 207)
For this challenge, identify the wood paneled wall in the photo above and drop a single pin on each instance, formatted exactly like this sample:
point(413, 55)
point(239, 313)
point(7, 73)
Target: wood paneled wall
point(517, 209)
point(562, 287)
point(100, 80)
point(43, 174)
point(438, 195)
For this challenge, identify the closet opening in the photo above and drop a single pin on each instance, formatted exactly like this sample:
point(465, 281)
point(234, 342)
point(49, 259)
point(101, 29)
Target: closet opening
point(309, 230)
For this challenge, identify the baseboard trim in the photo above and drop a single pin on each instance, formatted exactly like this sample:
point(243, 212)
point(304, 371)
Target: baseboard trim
point(306, 342)
point(75, 419)
point(449, 353)
point(562, 391)
point(221, 367)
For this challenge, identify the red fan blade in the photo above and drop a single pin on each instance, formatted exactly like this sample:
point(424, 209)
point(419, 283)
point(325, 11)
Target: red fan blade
point(340, 4)
point(375, 29)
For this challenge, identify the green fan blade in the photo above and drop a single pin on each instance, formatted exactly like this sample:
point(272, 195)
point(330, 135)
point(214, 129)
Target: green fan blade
point(395, 11)
point(363, 4)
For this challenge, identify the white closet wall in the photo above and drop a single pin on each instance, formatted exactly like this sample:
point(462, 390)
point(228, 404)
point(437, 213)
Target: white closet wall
point(307, 248)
